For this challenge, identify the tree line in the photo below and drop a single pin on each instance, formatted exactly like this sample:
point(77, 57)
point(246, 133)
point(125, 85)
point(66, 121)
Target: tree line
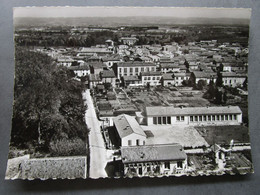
point(48, 109)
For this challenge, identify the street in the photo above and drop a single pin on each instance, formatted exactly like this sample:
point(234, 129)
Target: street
point(98, 152)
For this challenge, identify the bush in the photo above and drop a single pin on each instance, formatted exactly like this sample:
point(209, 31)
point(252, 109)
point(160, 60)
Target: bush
point(68, 147)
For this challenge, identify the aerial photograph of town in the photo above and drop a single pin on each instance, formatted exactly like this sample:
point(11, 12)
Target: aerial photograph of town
point(123, 92)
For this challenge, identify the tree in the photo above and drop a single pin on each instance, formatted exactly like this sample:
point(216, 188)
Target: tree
point(201, 84)
point(219, 80)
point(47, 102)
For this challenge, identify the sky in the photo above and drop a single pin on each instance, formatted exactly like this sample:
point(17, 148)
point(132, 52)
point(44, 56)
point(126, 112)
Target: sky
point(42, 12)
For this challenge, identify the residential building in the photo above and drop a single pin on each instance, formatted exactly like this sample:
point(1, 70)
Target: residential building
point(233, 79)
point(149, 160)
point(128, 131)
point(80, 71)
point(153, 78)
point(169, 67)
point(132, 80)
point(201, 75)
point(108, 76)
point(128, 40)
point(134, 68)
point(93, 80)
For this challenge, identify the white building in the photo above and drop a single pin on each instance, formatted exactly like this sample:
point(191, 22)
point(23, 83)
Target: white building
point(225, 115)
point(80, 71)
point(154, 160)
point(153, 78)
point(232, 79)
point(134, 68)
point(129, 132)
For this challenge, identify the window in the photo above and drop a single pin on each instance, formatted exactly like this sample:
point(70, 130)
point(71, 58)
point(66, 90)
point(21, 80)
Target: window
point(140, 171)
point(200, 118)
point(205, 118)
point(178, 118)
point(131, 69)
point(120, 70)
point(218, 117)
point(129, 142)
point(179, 164)
point(167, 165)
point(142, 69)
point(125, 69)
point(136, 69)
point(209, 118)
point(191, 118)
point(226, 117)
point(235, 117)
point(182, 118)
point(196, 118)
point(158, 78)
point(148, 168)
point(169, 120)
point(155, 120)
point(213, 117)
point(145, 78)
point(153, 78)
point(230, 117)
point(149, 78)
point(164, 120)
point(143, 142)
point(137, 142)
point(159, 120)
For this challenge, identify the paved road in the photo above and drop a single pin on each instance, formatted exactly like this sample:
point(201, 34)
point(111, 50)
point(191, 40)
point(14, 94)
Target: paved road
point(98, 152)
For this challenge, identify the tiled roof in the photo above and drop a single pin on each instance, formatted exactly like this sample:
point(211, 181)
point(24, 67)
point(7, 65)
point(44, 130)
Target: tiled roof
point(151, 73)
point(133, 64)
point(94, 77)
point(168, 76)
point(150, 153)
point(172, 111)
point(107, 74)
point(127, 125)
point(131, 78)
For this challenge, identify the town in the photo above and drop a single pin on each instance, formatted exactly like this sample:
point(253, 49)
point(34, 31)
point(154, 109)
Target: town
point(161, 100)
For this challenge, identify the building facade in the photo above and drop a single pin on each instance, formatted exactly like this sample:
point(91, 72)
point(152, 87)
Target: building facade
point(194, 116)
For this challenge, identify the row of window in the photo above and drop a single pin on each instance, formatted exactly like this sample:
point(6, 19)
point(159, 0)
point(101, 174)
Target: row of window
point(137, 142)
point(137, 69)
point(223, 117)
point(162, 120)
point(167, 119)
point(152, 78)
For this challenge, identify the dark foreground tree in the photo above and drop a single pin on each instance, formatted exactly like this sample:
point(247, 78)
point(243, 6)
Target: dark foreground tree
point(48, 103)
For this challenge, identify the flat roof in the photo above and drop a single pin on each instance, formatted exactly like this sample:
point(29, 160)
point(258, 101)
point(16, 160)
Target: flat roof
point(172, 111)
point(151, 153)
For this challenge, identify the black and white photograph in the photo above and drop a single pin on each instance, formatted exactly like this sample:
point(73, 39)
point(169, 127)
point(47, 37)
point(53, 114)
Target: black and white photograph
point(124, 92)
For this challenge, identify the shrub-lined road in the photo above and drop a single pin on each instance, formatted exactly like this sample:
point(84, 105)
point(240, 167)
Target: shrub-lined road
point(97, 148)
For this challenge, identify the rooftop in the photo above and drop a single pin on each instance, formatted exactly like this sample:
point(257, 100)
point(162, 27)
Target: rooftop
point(126, 125)
point(133, 64)
point(149, 153)
point(172, 111)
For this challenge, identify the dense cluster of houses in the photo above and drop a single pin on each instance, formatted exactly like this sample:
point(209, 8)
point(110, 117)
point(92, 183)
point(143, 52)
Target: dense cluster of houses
point(170, 64)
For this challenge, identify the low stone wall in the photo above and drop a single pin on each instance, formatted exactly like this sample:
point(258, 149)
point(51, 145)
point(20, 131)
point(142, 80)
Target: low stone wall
point(54, 168)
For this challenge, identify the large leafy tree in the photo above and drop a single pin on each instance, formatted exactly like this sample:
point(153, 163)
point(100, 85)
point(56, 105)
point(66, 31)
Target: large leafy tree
point(47, 102)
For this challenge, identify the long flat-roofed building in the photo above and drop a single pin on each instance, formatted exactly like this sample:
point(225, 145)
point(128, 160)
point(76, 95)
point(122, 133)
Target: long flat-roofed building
point(165, 159)
point(134, 68)
point(223, 115)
